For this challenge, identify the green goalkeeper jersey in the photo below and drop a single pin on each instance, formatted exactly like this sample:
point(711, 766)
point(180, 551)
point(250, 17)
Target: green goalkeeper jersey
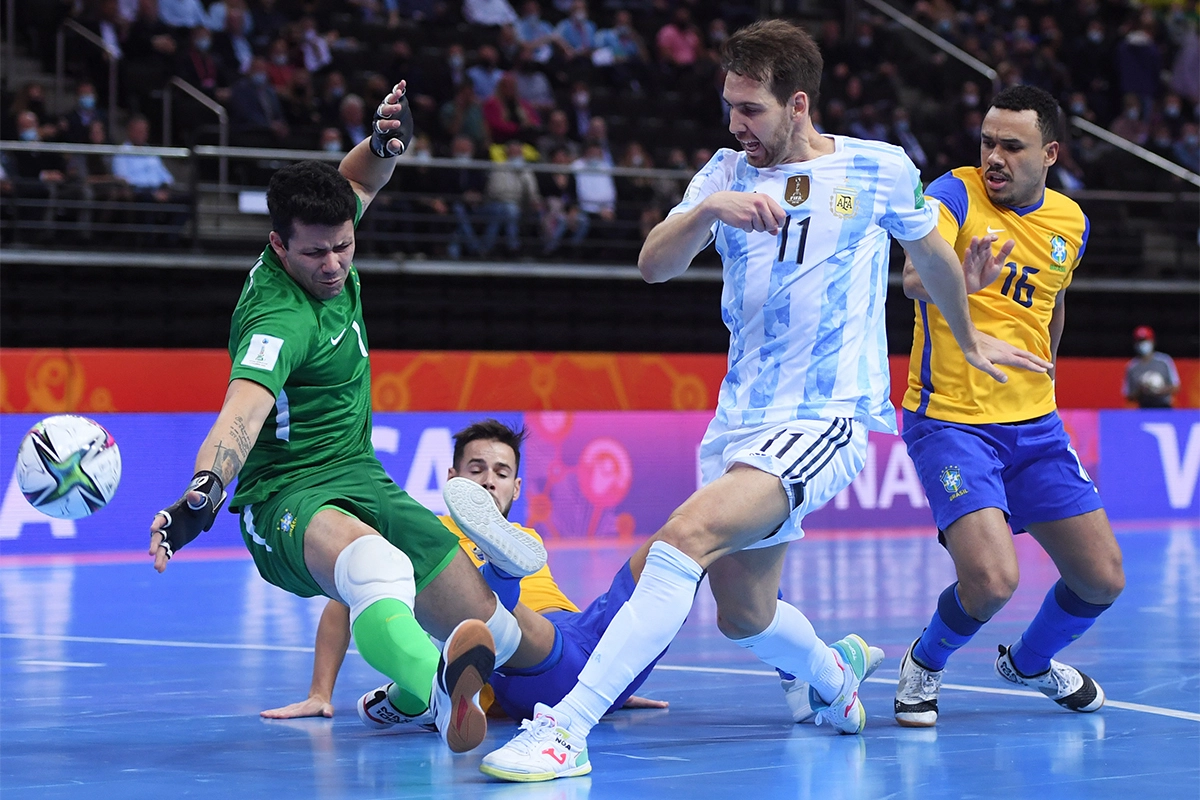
point(312, 356)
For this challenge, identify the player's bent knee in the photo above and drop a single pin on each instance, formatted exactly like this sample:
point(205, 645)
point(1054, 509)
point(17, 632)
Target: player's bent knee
point(691, 538)
point(370, 569)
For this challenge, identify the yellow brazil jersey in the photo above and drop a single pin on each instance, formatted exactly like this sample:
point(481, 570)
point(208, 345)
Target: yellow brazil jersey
point(1051, 237)
point(539, 591)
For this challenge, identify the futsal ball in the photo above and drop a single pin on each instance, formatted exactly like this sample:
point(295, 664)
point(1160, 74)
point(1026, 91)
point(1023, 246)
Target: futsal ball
point(68, 466)
point(1153, 382)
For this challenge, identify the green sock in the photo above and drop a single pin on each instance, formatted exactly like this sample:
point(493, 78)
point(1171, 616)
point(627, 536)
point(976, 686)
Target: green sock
point(391, 641)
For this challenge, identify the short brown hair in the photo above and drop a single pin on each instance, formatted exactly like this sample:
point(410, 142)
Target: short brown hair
point(489, 430)
point(779, 54)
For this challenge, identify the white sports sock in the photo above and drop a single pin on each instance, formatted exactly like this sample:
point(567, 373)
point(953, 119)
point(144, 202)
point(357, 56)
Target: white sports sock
point(641, 630)
point(789, 643)
point(506, 631)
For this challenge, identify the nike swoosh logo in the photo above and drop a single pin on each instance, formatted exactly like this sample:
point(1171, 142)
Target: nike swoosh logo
point(333, 340)
point(990, 229)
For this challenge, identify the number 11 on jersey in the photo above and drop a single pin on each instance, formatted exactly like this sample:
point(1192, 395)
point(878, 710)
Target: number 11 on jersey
point(783, 239)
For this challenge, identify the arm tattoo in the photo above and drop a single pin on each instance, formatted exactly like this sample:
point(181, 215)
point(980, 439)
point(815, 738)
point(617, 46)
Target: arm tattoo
point(241, 436)
point(227, 463)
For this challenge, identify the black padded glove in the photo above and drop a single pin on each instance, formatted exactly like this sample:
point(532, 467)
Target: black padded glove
point(184, 521)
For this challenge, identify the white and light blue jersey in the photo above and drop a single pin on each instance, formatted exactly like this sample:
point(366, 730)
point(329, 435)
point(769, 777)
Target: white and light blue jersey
point(805, 307)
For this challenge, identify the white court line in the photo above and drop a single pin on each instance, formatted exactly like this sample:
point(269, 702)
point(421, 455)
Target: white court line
point(36, 663)
point(1162, 712)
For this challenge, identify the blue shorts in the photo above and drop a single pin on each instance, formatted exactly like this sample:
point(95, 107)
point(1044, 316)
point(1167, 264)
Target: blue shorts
point(1028, 470)
point(580, 633)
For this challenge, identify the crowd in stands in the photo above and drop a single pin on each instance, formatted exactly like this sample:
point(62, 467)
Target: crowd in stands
point(612, 83)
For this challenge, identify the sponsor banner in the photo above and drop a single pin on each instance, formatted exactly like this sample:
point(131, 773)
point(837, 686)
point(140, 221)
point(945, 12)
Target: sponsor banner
point(589, 475)
point(1150, 463)
point(98, 381)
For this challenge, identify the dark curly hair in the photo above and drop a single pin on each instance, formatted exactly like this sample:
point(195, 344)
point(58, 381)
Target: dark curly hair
point(311, 193)
point(1031, 98)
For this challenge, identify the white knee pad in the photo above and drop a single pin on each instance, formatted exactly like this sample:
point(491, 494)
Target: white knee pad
point(369, 569)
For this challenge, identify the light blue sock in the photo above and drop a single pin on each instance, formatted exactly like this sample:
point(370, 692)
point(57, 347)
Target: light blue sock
point(950, 628)
point(1063, 618)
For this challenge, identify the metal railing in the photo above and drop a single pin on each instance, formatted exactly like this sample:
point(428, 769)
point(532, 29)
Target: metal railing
point(944, 45)
point(213, 106)
point(1140, 241)
point(60, 65)
point(1135, 150)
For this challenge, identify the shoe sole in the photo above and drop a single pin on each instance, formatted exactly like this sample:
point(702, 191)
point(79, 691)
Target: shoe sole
point(467, 662)
point(506, 546)
point(534, 777)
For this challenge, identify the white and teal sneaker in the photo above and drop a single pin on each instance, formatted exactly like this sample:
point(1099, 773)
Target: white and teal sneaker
point(542, 751)
point(845, 713)
point(505, 545)
point(795, 691)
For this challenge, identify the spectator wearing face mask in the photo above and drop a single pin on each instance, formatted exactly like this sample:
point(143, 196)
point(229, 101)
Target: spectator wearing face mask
point(75, 126)
point(621, 54)
point(1130, 125)
point(1186, 151)
point(280, 69)
point(255, 112)
point(1151, 379)
point(331, 141)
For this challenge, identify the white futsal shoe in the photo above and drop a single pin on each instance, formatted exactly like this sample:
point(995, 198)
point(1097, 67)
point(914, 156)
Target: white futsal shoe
point(846, 712)
point(505, 545)
point(916, 704)
point(376, 711)
point(542, 751)
point(1062, 683)
point(795, 691)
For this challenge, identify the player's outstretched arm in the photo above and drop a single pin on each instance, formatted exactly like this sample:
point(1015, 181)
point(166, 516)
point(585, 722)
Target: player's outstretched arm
point(369, 165)
point(942, 277)
point(333, 638)
point(980, 267)
point(219, 461)
point(674, 242)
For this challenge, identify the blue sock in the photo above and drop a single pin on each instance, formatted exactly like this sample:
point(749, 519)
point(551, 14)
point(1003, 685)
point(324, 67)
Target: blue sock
point(1062, 619)
point(950, 628)
point(507, 587)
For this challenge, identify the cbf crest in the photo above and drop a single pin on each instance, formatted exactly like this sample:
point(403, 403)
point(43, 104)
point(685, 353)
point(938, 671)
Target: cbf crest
point(952, 482)
point(797, 189)
point(287, 523)
point(844, 202)
point(1058, 250)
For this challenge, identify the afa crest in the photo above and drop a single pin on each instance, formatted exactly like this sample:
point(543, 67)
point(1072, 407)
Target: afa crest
point(797, 189)
point(1058, 250)
point(287, 523)
point(952, 481)
point(844, 202)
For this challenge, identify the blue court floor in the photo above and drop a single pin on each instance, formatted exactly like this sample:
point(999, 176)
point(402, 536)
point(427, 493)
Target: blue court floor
point(116, 682)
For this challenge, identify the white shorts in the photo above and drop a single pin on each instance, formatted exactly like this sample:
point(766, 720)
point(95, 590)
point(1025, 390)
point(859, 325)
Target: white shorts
point(814, 459)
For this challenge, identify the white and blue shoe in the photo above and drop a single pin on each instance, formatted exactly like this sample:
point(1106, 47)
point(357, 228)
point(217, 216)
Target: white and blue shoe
point(795, 691)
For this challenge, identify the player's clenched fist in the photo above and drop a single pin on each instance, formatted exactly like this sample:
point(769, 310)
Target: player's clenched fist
point(747, 211)
point(392, 126)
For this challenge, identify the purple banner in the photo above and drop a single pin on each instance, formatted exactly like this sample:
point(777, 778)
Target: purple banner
point(592, 475)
